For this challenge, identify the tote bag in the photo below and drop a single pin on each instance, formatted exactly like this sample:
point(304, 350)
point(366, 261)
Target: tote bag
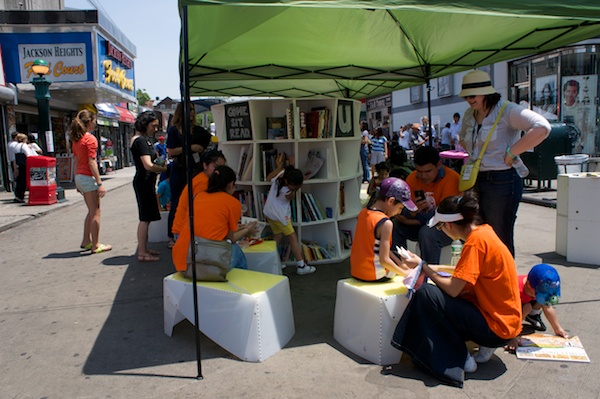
point(470, 170)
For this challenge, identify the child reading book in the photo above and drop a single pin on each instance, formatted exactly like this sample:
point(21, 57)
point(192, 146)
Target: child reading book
point(371, 258)
point(383, 172)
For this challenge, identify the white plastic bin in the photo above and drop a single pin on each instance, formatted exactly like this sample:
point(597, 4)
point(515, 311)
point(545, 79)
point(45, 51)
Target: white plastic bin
point(575, 163)
point(593, 164)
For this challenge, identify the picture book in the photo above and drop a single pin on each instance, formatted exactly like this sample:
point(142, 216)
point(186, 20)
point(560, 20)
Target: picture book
point(551, 347)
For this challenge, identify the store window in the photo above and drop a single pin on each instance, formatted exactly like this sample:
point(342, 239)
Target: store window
point(579, 86)
point(562, 86)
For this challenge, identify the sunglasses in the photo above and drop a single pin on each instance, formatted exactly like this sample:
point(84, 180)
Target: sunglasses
point(469, 97)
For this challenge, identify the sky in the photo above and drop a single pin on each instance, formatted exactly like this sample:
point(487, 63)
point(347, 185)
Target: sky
point(153, 26)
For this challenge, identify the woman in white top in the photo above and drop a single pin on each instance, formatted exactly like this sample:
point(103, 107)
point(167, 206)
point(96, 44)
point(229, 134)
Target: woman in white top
point(500, 187)
point(21, 152)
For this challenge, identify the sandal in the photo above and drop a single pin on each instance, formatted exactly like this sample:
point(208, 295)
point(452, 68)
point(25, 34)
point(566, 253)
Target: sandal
point(86, 247)
point(171, 243)
point(153, 252)
point(147, 258)
point(102, 248)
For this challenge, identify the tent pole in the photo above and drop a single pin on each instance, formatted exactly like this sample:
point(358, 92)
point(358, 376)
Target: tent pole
point(187, 154)
point(428, 88)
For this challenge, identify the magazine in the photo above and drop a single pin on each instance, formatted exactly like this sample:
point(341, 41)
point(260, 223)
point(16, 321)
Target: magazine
point(551, 347)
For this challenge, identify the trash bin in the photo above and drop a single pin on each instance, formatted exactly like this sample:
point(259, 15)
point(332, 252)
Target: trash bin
point(41, 180)
point(575, 163)
point(540, 161)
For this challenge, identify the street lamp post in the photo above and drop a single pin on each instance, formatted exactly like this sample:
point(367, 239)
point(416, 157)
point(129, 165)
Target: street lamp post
point(42, 95)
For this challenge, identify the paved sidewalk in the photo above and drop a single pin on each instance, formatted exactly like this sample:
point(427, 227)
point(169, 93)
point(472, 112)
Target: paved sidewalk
point(13, 214)
point(81, 325)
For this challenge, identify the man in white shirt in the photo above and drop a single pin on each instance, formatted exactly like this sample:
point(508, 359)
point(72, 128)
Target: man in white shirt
point(455, 131)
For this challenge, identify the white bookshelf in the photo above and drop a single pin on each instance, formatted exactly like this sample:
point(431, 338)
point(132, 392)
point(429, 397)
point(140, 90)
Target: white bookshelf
point(341, 165)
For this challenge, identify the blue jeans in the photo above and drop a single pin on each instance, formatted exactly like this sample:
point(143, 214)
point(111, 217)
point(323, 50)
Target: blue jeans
point(238, 259)
point(431, 240)
point(499, 195)
point(364, 159)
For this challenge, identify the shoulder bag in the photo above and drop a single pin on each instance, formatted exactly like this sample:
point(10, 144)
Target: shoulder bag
point(21, 157)
point(213, 258)
point(470, 170)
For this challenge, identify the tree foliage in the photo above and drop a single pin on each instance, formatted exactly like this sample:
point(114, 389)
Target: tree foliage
point(142, 96)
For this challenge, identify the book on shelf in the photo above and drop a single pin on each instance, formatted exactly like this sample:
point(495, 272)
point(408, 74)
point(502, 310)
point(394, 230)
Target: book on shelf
point(246, 198)
point(247, 173)
point(346, 239)
point(313, 164)
point(276, 128)
point(244, 154)
point(312, 124)
point(289, 121)
point(551, 347)
point(302, 124)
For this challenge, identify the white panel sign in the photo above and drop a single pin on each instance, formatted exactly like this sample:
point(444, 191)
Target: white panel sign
point(67, 61)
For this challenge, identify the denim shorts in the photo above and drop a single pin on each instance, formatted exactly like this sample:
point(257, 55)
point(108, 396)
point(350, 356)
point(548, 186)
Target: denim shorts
point(85, 183)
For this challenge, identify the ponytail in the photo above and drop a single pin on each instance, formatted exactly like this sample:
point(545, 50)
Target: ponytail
point(220, 178)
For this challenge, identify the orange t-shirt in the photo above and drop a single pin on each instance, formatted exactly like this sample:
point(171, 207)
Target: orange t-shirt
point(436, 191)
point(84, 149)
point(215, 215)
point(489, 269)
point(199, 184)
point(364, 261)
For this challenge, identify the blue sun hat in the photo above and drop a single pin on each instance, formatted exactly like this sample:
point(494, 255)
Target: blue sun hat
point(544, 279)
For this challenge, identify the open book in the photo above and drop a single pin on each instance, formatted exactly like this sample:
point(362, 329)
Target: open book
point(551, 347)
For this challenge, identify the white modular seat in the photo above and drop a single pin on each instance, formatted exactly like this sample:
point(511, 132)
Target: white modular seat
point(250, 315)
point(366, 315)
point(157, 230)
point(263, 257)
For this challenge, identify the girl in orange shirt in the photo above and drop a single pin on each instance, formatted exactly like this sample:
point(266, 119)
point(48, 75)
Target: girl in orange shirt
point(480, 302)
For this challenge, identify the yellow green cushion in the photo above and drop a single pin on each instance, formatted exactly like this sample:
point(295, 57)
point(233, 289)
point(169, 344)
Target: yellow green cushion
point(393, 287)
point(240, 281)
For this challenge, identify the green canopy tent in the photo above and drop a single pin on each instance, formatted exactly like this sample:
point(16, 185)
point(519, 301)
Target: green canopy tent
point(358, 49)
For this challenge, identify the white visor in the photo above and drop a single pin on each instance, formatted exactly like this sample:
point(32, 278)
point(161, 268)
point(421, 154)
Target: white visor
point(444, 217)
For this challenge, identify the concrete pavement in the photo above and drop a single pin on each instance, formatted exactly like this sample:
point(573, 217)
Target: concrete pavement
point(75, 325)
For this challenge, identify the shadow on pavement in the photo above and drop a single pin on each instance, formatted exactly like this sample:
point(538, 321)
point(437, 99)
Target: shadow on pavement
point(132, 336)
point(556, 259)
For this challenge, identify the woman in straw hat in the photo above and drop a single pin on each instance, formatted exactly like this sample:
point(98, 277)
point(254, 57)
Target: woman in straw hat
point(500, 187)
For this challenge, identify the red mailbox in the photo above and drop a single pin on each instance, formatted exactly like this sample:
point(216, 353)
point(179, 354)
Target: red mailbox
point(41, 180)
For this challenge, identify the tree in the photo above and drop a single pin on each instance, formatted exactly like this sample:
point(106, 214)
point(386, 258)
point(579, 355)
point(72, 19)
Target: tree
point(142, 96)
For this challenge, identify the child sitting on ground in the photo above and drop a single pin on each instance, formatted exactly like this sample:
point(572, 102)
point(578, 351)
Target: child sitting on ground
point(383, 172)
point(540, 289)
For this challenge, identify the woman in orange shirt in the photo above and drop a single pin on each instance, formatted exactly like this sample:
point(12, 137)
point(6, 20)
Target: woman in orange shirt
point(480, 302)
point(216, 215)
point(87, 178)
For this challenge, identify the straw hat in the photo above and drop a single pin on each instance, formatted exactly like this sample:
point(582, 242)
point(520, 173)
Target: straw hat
point(476, 83)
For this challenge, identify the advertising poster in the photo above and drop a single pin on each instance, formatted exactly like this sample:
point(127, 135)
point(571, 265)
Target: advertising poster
point(546, 97)
point(578, 106)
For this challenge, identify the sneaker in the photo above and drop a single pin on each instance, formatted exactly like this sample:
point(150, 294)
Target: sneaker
point(536, 321)
point(19, 200)
point(484, 355)
point(470, 364)
point(306, 269)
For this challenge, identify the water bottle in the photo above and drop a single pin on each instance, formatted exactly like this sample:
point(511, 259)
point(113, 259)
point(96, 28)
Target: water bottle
point(520, 167)
point(456, 249)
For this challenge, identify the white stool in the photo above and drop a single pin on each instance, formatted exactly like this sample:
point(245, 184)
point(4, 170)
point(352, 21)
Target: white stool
point(445, 255)
point(263, 257)
point(366, 315)
point(157, 230)
point(250, 316)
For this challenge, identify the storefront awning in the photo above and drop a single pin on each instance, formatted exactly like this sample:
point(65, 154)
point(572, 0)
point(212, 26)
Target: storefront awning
point(107, 110)
point(125, 115)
